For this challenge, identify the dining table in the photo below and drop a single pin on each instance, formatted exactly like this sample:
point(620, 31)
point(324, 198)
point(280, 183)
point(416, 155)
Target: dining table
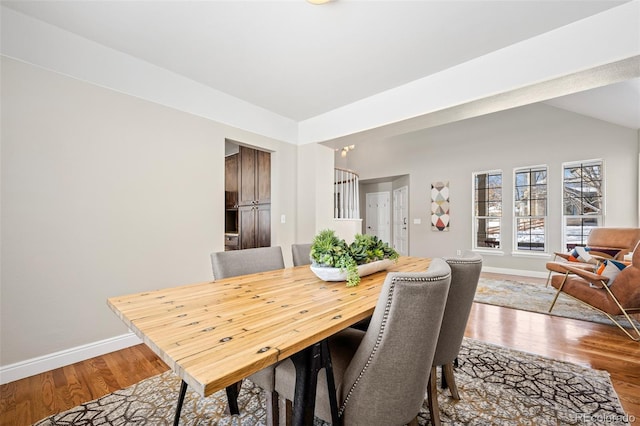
point(214, 334)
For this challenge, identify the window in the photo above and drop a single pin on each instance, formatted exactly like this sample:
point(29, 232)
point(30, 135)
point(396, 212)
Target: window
point(582, 200)
point(530, 208)
point(487, 209)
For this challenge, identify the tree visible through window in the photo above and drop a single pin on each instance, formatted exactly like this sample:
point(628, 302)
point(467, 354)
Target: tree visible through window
point(582, 200)
point(487, 209)
point(530, 208)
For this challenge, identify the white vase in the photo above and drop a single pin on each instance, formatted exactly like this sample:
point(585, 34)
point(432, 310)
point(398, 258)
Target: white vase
point(336, 274)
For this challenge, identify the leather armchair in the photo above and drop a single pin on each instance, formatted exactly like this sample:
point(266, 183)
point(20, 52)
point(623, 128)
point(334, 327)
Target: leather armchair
point(621, 298)
point(603, 242)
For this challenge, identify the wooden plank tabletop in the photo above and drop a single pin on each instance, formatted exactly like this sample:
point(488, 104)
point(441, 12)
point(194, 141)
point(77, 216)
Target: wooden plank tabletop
point(215, 333)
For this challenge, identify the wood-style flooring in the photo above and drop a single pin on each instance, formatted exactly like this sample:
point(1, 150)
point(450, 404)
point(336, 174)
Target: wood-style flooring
point(597, 346)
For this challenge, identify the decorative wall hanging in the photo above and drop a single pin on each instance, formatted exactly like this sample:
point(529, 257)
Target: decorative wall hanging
point(440, 206)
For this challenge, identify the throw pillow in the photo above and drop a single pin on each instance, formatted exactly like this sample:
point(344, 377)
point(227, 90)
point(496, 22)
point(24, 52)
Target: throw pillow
point(610, 269)
point(605, 251)
point(581, 254)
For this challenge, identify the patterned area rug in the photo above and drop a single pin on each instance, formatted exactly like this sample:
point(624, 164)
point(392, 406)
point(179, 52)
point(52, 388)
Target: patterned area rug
point(498, 386)
point(537, 298)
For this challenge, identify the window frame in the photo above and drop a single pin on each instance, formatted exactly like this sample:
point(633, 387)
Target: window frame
point(474, 217)
point(600, 218)
point(545, 218)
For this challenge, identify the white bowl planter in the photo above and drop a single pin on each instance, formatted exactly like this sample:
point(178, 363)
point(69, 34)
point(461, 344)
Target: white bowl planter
point(336, 274)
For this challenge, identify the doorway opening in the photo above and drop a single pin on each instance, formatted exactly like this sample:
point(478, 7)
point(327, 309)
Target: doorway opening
point(247, 197)
point(387, 210)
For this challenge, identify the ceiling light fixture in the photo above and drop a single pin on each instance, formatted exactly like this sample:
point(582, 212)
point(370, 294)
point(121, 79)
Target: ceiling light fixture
point(346, 149)
point(318, 1)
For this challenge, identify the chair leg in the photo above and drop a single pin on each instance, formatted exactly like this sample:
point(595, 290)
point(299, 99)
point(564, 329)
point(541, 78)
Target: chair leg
point(288, 412)
point(451, 381)
point(432, 398)
point(555, 298)
point(626, 315)
point(549, 276)
point(232, 397)
point(273, 411)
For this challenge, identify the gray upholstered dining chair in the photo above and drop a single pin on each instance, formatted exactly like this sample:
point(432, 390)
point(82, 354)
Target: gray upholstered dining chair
point(232, 263)
point(381, 375)
point(300, 253)
point(227, 264)
point(465, 273)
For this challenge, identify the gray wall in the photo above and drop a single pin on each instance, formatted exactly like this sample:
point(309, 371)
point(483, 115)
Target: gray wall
point(104, 194)
point(526, 136)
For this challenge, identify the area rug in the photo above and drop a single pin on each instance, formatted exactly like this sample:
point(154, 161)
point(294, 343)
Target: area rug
point(498, 386)
point(537, 298)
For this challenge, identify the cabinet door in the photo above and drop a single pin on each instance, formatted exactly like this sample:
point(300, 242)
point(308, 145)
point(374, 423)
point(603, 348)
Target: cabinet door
point(247, 176)
point(255, 226)
point(263, 177)
point(263, 225)
point(231, 181)
point(248, 227)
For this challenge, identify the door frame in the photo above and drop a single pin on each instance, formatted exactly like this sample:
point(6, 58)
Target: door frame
point(396, 219)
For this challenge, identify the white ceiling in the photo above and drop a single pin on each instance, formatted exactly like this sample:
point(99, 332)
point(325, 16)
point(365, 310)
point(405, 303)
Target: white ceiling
point(300, 60)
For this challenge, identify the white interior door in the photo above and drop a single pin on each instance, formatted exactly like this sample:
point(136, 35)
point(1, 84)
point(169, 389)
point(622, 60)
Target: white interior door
point(378, 215)
point(401, 220)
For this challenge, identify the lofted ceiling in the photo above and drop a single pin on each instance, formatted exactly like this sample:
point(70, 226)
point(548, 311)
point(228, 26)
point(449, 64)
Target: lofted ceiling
point(300, 60)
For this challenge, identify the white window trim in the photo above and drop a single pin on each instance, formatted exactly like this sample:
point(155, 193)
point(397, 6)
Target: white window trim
point(604, 196)
point(474, 231)
point(532, 253)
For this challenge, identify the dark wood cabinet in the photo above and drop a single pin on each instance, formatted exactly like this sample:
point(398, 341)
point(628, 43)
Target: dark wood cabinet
point(249, 196)
point(231, 181)
point(255, 226)
point(254, 183)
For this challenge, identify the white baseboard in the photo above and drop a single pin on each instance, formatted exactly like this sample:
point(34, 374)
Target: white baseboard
point(521, 272)
point(22, 369)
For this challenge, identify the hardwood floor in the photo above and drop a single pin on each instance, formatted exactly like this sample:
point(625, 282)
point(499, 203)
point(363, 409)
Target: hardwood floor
point(597, 346)
point(28, 400)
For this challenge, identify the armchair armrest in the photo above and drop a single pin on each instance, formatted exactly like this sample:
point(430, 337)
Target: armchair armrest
point(599, 258)
point(587, 275)
point(565, 256)
point(560, 267)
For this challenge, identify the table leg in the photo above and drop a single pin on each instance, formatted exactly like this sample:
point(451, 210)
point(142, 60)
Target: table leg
point(183, 392)
point(232, 397)
point(308, 363)
point(331, 384)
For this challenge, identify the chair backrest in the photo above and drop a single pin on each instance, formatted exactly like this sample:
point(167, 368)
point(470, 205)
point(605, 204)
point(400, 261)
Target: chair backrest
point(232, 263)
point(635, 259)
point(626, 286)
point(387, 378)
point(300, 253)
point(622, 238)
point(465, 273)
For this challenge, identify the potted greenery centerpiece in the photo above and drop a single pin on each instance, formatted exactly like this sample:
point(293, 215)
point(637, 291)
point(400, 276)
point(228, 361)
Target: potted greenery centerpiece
point(335, 260)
